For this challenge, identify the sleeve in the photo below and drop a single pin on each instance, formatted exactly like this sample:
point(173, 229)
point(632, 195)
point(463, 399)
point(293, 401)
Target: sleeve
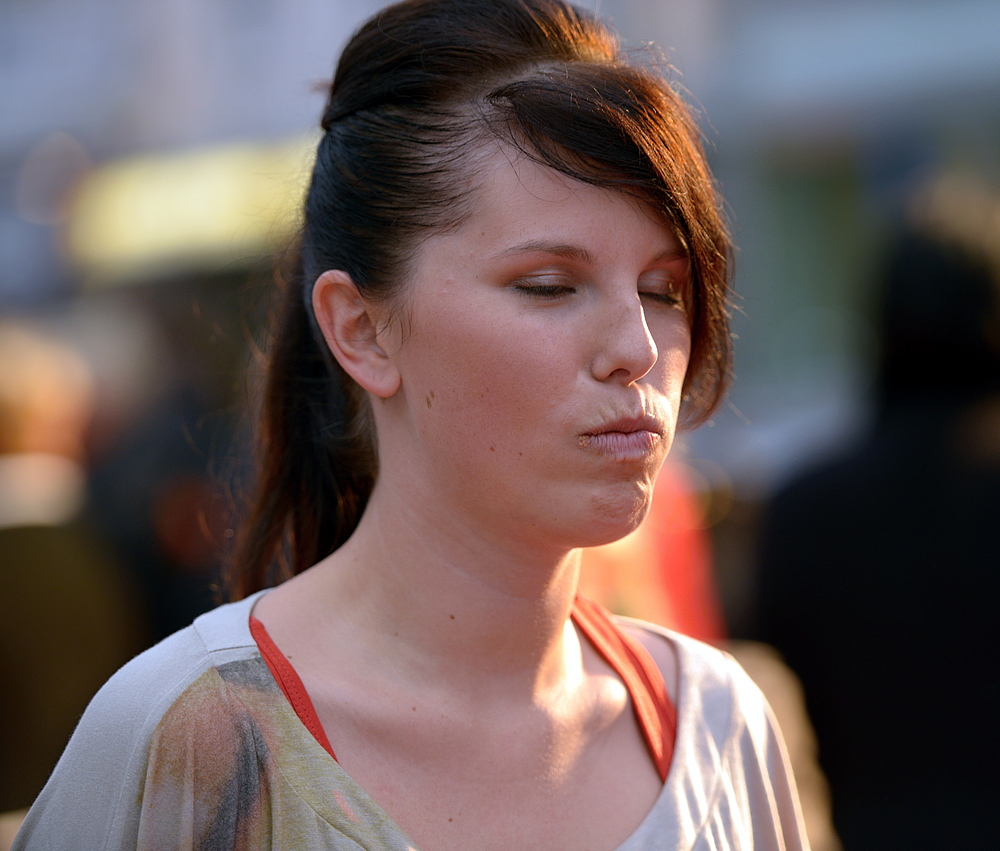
point(760, 773)
point(93, 798)
point(207, 782)
point(731, 786)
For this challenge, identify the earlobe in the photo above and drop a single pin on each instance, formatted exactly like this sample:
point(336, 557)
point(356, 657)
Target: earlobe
point(350, 329)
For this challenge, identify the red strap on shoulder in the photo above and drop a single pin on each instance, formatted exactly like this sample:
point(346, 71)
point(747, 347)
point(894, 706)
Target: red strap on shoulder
point(284, 674)
point(654, 711)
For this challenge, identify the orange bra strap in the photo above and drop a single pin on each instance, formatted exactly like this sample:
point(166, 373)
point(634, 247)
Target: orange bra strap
point(654, 711)
point(290, 683)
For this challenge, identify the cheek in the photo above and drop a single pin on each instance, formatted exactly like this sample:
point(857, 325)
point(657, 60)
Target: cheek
point(673, 342)
point(491, 381)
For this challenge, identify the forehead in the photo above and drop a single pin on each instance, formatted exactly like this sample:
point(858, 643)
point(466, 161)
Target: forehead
point(518, 202)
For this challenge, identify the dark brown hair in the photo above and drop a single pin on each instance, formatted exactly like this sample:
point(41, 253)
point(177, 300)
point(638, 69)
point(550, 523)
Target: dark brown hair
point(418, 90)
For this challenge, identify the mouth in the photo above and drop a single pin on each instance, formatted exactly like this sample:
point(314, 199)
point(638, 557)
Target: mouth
point(630, 425)
point(626, 438)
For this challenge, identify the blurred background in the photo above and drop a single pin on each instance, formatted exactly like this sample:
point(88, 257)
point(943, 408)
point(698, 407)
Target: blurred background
point(152, 155)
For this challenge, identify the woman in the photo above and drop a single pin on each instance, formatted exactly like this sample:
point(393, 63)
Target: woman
point(511, 284)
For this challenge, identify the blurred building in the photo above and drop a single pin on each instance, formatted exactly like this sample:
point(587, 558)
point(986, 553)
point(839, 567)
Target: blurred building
point(87, 81)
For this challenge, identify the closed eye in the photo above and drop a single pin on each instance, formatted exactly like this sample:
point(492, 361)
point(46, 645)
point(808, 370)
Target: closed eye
point(671, 298)
point(545, 291)
point(661, 285)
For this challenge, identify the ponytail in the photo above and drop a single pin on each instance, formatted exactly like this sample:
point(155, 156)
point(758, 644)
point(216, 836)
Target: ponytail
point(316, 456)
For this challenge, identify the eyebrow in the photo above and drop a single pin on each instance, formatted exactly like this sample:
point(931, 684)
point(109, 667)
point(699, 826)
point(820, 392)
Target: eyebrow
point(561, 249)
point(573, 252)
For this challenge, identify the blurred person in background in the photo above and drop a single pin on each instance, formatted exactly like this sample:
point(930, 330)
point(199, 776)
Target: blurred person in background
point(879, 571)
point(512, 285)
point(70, 618)
point(158, 434)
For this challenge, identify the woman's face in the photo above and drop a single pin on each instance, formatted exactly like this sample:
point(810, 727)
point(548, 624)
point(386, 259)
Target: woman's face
point(541, 361)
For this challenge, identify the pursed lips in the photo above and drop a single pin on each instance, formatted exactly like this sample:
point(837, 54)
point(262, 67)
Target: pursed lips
point(629, 425)
point(625, 438)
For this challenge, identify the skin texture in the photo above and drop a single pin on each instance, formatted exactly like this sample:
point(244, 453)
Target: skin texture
point(525, 390)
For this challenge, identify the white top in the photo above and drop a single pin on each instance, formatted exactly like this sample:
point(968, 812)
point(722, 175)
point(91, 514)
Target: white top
point(192, 745)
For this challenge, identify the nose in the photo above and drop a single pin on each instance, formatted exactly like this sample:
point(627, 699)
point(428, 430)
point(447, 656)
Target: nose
point(625, 349)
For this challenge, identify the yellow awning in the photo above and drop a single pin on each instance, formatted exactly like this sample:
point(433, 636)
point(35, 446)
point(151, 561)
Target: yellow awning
point(205, 210)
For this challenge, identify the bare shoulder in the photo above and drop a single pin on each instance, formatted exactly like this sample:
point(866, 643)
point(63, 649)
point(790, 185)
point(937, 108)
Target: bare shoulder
point(660, 648)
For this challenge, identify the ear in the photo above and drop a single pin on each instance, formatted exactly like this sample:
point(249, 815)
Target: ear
point(350, 329)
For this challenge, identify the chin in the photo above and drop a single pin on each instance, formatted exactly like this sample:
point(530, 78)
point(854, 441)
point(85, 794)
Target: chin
point(610, 523)
point(599, 537)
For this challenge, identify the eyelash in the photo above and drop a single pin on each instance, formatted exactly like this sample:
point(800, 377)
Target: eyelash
point(672, 299)
point(550, 292)
point(545, 291)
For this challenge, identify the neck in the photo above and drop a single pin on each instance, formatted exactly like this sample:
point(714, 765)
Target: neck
point(454, 607)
